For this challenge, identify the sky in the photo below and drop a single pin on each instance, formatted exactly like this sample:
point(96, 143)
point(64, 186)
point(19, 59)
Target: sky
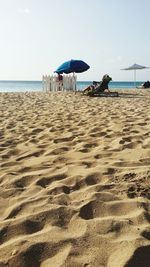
point(36, 36)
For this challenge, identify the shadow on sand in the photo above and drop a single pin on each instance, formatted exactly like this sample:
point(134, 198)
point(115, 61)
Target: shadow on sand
point(115, 94)
point(130, 95)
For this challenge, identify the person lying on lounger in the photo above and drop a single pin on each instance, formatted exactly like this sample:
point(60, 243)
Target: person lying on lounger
point(103, 84)
point(99, 87)
point(91, 87)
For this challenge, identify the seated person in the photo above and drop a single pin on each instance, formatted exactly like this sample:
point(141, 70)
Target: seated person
point(146, 84)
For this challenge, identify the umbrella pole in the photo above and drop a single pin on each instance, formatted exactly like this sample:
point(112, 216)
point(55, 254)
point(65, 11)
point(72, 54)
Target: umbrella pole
point(134, 78)
point(74, 82)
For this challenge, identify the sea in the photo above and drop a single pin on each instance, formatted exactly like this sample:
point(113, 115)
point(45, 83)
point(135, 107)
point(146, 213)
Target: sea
point(36, 86)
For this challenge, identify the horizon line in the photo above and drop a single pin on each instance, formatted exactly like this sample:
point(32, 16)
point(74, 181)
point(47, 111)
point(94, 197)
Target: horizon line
point(77, 81)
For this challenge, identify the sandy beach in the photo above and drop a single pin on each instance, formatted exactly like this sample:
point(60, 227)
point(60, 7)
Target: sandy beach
point(75, 180)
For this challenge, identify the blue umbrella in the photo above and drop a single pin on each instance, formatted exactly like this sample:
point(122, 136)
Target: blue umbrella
point(72, 66)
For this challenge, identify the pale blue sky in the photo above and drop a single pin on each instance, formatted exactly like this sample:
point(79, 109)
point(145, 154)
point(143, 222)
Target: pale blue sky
point(38, 35)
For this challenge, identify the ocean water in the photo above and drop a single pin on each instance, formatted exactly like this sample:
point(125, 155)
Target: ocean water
point(35, 86)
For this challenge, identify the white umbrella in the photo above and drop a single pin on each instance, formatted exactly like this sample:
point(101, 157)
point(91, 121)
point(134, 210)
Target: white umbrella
point(135, 67)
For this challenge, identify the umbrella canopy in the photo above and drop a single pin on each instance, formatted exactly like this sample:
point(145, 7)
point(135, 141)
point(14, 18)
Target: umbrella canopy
point(72, 65)
point(135, 67)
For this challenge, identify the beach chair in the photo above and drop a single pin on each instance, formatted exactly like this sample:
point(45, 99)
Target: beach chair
point(102, 90)
point(103, 94)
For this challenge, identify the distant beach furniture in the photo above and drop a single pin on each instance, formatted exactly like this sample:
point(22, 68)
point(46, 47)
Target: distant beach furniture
point(51, 83)
point(135, 67)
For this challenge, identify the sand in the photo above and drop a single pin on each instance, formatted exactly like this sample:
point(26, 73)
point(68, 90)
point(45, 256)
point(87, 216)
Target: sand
point(74, 180)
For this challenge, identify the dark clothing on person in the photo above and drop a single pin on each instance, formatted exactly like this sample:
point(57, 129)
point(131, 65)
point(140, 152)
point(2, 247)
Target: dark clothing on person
point(103, 84)
point(60, 82)
point(60, 77)
point(146, 84)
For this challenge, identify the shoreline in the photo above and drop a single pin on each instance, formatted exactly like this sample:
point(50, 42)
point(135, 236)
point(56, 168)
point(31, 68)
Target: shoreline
point(16, 86)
